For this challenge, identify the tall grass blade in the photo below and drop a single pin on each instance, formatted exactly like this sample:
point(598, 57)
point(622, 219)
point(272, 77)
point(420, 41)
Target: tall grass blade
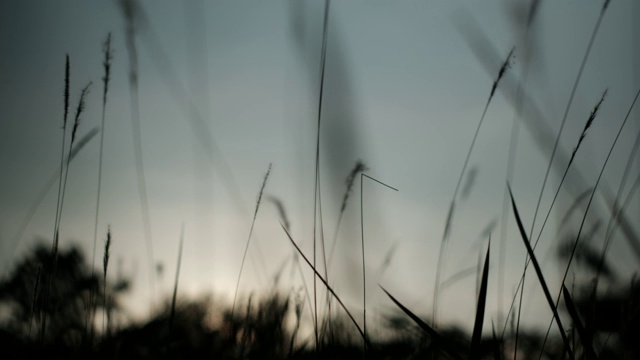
point(498, 344)
point(586, 212)
point(317, 274)
point(447, 230)
point(133, 17)
point(316, 189)
point(281, 211)
point(36, 288)
point(566, 110)
point(246, 248)
point(108, 56)
point(76, 124)
point(582, 332)
point(482, 301)
point(64, 135)
point(359, 167)
point(436, 338)
point(61, 194)
point(364, 278)
point(175, 282)
point(615, 209)
point(105, 264)
point(588, 124)
point(543, 283)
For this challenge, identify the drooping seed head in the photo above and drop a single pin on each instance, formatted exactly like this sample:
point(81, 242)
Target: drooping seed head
point(79, 110)
point(108, 56)
point(587, 125)
point(503, 69)
point(281, 211)
point(66, 93)
point(107, 246)
point(358, 168)
point(264, 183)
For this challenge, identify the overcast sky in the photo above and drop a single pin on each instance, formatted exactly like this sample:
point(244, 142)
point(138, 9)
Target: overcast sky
point(403, 91)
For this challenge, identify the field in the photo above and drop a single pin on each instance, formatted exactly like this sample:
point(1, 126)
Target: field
point(310, 179)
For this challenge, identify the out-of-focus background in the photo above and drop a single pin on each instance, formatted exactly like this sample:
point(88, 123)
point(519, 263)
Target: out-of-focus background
point(228, 87)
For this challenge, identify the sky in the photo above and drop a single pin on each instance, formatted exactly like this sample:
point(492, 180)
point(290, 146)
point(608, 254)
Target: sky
point(405, 85)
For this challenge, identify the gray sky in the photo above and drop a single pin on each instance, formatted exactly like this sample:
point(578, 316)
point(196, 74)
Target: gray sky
point(403, 92)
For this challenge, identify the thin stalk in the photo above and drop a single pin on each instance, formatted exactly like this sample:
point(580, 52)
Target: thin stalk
point(584, 217)
point(543, 283)
point(567, 108)
point(611, 225)
point(588, 124)
point(317, 162)
point(246, 249)
point(35, 297)
point(513, 148)
point(445, 236)
point(54, 245)
point(56, 236)
point(105, 264)
point(131, 12)
point(319, 276)
point(175, 283)
point(560, 130)
point(35, 205)
point(105, 81)
point(364, 272)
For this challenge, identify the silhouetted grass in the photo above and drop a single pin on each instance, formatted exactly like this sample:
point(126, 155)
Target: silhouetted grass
point(447, 227)
point(265, 328)
point(543, 283)
point(246, 248)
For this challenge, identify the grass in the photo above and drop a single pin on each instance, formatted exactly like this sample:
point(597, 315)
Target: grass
point(246, 248)
point(275, 325)
point(543, 282)
point(450, 214)
point(105, 265)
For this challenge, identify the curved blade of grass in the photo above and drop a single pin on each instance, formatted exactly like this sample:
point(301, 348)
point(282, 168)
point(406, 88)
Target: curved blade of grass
point(437, 338)
point(246, 248)
point(498, 342)
point(175, 283)
point(482, 301)
point(584, 337)
point(543, 283)
point(328, 287)
point(35, 205)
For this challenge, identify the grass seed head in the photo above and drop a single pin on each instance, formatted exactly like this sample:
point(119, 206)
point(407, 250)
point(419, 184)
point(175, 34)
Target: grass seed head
point(503, 69)
point(79, 111)
point(66, 92)
point(587, 125)
point(108, 56)
point(358, 168)
point(107, 246)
